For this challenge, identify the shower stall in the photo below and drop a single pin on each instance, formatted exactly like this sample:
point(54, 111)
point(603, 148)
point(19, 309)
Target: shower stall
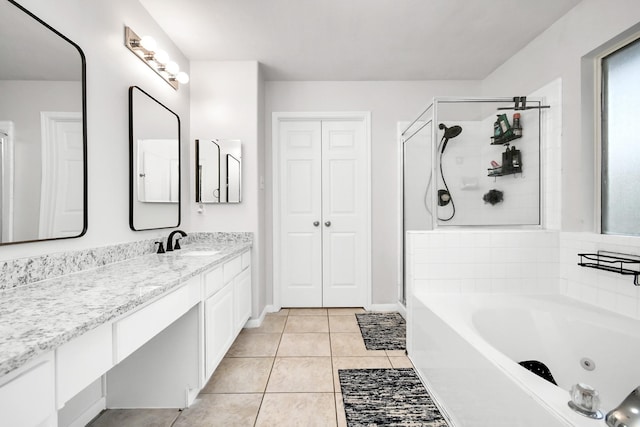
point(469, 162)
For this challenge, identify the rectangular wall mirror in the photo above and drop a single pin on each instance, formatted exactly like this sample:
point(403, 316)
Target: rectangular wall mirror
point(218, 171)
point(154, 142)
point(43, 168)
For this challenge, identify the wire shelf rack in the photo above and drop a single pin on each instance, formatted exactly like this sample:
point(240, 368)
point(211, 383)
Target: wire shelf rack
point(625, 264)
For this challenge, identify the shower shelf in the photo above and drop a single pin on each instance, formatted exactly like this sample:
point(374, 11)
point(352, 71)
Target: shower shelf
point(499, 172)
point(504, 140)
point(614, 262)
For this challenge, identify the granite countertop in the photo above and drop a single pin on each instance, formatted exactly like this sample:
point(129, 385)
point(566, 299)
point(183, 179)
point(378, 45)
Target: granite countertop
point(42, 316)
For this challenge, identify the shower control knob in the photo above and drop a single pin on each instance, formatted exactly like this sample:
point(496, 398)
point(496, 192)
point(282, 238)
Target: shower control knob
point(328, 223)
point(316, 223)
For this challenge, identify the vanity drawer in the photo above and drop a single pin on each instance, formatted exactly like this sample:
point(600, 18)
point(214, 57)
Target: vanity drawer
point(213, 282)
point(29, 398)
point(138, 328)
point(83, 360)
point(232, 268)
point(246, 259)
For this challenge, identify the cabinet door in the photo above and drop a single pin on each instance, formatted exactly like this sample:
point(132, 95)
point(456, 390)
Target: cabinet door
point(219, 327)
point(242, 297)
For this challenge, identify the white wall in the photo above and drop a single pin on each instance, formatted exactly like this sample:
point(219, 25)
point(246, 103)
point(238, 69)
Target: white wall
point(98, 28)
point(225, 104)
point(389, 103)
point(558, 53)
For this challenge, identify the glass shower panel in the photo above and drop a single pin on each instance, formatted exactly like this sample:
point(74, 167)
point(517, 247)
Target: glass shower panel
point(416, 176)
point(487, 165)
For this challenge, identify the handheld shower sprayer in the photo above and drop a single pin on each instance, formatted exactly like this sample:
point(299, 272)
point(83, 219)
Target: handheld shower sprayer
point(449, 133)
point(444, 196)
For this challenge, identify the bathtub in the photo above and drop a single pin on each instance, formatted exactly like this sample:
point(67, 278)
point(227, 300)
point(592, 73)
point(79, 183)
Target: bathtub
point(466, 349)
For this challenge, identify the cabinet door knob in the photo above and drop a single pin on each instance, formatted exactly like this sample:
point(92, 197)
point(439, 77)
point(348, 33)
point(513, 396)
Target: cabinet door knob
point(316, 223)
point(328, 223)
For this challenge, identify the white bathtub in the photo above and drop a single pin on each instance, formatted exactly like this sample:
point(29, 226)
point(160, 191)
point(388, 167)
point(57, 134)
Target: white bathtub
point(466, 349)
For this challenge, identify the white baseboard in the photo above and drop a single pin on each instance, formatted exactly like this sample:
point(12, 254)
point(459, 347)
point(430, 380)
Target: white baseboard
point(384, 307)
point(256, 322)
point(402, 310)
point(90, 413)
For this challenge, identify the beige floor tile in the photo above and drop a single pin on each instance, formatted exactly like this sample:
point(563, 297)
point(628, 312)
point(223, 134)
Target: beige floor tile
point(270, 325)
point(307, 324)
point(357, 363)
point(307, 312)
point(304, 344)
point(136, 417)
point(396, 353)
point(351, 344)
point(345, 311)
point(301, 375)
point(400, 362)
point(240, 375)
point(343, 324)
point(282, 312)
point(340, 414)
point(254, 345)
point(221, 410)
point(297, 409)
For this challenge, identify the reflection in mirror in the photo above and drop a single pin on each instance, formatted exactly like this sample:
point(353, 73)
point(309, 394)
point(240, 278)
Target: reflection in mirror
point(218, 171)
point(208, 171)
point(42, 131)
point(154, 163)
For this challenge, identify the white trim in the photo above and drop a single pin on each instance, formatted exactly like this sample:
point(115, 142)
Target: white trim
point(90, 413)
point(256, 322)
point(277, 117)
point(8, 170)
point(402, 309)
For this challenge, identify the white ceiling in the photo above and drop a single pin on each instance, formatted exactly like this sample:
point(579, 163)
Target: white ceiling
point(358, 39)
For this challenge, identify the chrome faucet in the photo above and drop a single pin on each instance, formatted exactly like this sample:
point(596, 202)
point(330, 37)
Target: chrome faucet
point(170, 245)
point(627, 414)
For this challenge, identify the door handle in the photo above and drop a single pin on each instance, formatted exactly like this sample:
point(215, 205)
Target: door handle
point(316, 223)
point(328, 223)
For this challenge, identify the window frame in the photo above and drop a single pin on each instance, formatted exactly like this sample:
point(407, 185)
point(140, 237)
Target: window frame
point(598, 127)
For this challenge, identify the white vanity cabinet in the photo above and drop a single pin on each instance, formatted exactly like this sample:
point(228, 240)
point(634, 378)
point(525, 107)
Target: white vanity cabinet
point(27, 396)
point(227, 307)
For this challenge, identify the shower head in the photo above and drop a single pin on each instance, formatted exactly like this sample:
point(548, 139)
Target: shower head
point(449, 133)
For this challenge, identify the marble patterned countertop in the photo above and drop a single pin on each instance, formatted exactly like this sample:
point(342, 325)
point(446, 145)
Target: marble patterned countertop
point(42, 316)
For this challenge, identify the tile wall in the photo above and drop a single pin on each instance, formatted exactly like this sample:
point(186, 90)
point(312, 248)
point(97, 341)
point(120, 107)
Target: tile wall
point(490, 261)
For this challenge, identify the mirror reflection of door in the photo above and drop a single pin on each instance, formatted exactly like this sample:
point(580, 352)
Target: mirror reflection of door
point(157, 171)
point(218, 171)
point(233, 179)
point(208, 178)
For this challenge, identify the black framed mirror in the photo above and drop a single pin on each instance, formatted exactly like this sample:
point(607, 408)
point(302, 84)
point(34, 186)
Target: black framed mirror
point(218, 171)
point(154, 163)
point(43, 131)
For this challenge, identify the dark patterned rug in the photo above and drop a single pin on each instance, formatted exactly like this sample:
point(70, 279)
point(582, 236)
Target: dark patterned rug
point(383, 331)
point(387, 397)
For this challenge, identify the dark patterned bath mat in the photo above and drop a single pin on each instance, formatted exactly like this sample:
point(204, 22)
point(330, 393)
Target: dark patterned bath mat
point(387, 397)
point(383, 331)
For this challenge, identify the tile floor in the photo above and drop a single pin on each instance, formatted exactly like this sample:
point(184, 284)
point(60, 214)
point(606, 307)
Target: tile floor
point(284, 373)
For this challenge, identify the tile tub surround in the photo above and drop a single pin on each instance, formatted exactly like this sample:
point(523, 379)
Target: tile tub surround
point(23, 271)
point(42, 316)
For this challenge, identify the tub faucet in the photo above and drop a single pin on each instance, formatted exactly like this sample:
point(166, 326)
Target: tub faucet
point(170, 245)
point(627, 414)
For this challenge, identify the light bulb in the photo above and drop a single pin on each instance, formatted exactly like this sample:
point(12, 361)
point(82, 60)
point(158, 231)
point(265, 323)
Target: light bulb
point(182, 77)
point(148, 43)
point(161, 57)
point(172, 67)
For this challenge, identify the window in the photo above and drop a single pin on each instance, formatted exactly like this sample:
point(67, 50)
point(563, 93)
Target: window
point(620, 178)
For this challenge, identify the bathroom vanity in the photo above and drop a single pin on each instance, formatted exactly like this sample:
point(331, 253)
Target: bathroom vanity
point(147, 332)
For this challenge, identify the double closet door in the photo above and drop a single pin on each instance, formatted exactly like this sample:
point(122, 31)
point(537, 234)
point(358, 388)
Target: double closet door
point(324, 213)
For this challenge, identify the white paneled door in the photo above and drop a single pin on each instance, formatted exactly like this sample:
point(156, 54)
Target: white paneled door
point(323, 255)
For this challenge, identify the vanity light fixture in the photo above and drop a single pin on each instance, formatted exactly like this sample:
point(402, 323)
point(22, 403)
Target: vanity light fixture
point(157, 59)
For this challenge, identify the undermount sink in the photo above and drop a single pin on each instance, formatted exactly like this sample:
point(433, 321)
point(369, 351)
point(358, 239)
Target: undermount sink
point(198, 253)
